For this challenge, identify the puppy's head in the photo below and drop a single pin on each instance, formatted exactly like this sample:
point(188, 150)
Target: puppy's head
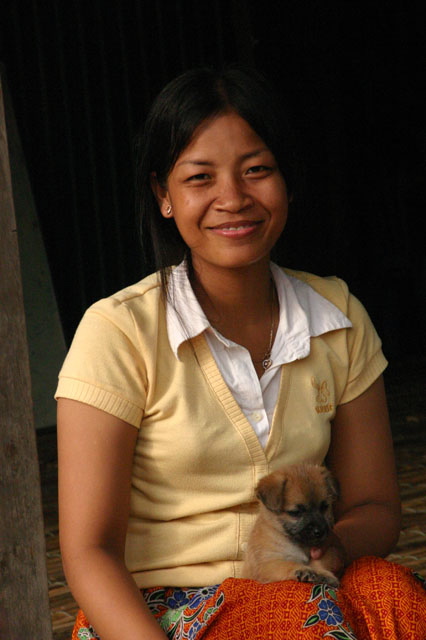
point(300, 499)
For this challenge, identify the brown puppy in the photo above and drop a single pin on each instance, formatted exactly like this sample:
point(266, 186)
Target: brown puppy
point(295, 515)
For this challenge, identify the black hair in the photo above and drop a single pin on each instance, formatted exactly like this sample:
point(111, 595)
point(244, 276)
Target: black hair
point(187, 101)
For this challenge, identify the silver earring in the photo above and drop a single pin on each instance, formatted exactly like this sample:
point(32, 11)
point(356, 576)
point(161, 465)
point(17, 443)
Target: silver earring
point(168, 210)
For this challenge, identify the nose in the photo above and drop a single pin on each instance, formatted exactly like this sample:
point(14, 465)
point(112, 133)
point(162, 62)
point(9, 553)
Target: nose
point(232, 195)
point(316, 531)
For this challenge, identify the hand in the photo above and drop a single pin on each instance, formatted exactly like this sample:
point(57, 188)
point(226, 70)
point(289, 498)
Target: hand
point(332, 554)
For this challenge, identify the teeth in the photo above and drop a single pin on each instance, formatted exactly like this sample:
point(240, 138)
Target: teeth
point(244, 226)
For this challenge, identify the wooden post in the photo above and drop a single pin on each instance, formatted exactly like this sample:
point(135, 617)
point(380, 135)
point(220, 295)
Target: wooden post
point(24, 601)
point(46, 344)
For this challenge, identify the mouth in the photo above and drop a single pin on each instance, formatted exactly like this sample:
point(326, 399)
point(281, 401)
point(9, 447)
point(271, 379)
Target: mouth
point(236, 229)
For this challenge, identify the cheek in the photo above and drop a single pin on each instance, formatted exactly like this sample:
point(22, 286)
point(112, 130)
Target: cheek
point(188, 230)
point(279, 205)
point(292, 529)
point(280, 218)
point(283, 220)
point(188, 209)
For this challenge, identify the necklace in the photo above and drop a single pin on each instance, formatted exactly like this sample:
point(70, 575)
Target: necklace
point(267, 360)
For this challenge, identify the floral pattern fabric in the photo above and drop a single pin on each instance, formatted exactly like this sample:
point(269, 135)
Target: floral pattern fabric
point(329, 612)
point(377, 600)
point(184, 613)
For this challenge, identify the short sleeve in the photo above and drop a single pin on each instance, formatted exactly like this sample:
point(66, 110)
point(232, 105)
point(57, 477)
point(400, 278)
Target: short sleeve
point(366, 359)
point(104, 366)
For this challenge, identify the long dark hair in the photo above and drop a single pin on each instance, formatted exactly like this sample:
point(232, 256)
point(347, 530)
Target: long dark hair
point(187, 101)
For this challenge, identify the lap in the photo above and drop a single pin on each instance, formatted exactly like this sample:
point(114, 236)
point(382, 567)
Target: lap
point(376, 600)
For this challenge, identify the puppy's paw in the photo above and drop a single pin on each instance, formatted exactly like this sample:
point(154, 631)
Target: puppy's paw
point(330, 579)
point(308, 575)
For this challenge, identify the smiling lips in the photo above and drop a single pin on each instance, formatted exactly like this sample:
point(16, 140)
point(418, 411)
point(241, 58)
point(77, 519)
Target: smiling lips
point(236, 230)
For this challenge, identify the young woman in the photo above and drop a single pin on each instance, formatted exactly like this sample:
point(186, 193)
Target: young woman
point(180, 392)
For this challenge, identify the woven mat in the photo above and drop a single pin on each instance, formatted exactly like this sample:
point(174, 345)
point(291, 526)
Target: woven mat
point(406, 386)
point(406, 391)
point(411, 464)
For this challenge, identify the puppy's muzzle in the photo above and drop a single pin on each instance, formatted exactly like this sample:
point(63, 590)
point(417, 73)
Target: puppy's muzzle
point(313, 533)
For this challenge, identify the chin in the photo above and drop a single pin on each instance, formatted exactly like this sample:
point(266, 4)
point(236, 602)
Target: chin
point(232, 262)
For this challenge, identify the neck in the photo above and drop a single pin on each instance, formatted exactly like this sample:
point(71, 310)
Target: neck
point(241, 304)
point(242, 293)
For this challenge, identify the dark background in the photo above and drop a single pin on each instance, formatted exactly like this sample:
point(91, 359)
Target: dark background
point(82, 74)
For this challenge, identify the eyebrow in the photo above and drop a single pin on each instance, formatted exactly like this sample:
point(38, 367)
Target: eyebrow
point(206, 163)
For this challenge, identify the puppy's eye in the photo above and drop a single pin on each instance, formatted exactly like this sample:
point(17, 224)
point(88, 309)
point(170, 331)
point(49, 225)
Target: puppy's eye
point(297, 511)
point(323, 506)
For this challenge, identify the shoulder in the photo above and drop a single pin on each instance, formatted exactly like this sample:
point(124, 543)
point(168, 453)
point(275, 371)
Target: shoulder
point(140, 299)
point(336, 291)
point(129, 315)
point(330, 287)
point(138, 293)
point(121, 326)
point(107, 365)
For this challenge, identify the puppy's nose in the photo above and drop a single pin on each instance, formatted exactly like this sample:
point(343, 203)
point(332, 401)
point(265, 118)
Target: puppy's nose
point(316, 532)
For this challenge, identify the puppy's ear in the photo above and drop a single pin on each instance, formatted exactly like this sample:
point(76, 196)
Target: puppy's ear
point(332, 484)
point(271, 491)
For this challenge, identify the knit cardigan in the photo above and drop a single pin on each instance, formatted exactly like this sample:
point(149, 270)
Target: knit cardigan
point(197, 459)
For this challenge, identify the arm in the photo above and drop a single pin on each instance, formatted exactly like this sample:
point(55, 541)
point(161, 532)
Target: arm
point(95, 453)
point(361, 457)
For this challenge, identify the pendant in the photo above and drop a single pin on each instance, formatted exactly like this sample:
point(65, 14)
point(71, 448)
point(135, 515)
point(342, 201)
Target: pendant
point(266, 363)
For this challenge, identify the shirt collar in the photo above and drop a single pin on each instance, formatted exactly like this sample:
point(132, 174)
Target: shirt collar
point(304, 313)
point(185, 317)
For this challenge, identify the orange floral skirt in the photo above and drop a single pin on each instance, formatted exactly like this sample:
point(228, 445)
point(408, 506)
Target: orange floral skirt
point(376, 600)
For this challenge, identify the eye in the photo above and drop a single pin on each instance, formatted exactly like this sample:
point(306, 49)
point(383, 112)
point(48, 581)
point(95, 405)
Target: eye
point(260, 168)
point(198, 177)
point(297, 512)
point(323, 506)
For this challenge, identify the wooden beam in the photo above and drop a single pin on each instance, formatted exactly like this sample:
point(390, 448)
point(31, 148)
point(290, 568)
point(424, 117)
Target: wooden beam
point(46, 344)
point(24, 601)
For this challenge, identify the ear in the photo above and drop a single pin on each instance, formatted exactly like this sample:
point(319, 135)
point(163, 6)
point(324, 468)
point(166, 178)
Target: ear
point(162, 196)
point(271, 492)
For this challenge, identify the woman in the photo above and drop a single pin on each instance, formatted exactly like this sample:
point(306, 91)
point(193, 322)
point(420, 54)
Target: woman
point(182, 391)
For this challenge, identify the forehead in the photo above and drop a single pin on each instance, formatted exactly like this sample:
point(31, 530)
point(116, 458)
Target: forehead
point(302, 489)
point(223, 132)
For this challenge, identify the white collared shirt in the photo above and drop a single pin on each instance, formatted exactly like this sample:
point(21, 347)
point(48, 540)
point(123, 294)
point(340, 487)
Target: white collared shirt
point(303, 314)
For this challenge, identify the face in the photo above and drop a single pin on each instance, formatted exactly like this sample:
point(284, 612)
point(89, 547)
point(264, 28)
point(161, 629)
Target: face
point(301, 499)
point(226, 195)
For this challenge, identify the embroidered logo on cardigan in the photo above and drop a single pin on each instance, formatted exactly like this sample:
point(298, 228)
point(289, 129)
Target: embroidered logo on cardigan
point(322, 397)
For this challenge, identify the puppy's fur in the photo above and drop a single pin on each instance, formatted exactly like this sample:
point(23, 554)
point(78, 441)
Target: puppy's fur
point(295, 514)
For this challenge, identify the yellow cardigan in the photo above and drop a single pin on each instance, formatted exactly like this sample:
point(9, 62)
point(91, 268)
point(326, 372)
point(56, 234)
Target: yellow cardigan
point(197, 459)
